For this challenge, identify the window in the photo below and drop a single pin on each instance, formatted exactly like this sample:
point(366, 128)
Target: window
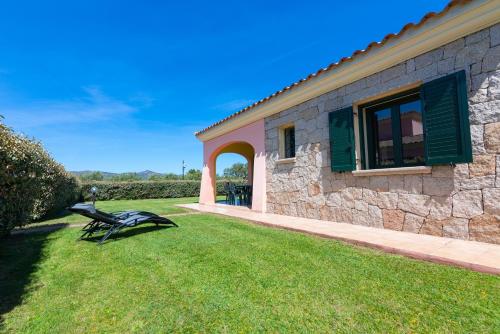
point(395, 135)
point(287, 142)
point(424, 126)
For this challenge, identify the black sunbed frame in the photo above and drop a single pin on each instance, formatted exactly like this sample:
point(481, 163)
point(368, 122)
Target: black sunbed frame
point(114, 222)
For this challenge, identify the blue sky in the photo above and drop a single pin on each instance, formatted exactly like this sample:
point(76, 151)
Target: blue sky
point(121, 85)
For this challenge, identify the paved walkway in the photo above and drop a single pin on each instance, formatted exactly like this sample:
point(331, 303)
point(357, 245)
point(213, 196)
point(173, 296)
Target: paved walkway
point(474, 255)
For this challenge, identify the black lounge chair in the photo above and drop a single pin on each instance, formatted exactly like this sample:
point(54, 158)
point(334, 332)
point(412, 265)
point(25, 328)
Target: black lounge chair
point(114, 222)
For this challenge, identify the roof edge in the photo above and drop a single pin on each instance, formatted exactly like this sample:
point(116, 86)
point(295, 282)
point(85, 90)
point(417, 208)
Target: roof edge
point(457, 19)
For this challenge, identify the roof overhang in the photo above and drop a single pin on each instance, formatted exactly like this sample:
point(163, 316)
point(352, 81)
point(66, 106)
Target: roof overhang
point(458, 22)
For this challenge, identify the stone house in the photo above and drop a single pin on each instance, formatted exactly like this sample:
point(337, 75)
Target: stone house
point(403, 135)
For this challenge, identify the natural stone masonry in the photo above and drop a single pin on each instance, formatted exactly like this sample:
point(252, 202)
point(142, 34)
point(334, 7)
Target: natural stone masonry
point(461, 201)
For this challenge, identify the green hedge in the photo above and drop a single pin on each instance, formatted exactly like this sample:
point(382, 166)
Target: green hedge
point(32, 184)
point(147, 189)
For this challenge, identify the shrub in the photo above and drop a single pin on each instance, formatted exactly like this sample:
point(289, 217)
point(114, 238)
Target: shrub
point(147, 189)
point(126, 177)
point(32, 184)
point(93, 176)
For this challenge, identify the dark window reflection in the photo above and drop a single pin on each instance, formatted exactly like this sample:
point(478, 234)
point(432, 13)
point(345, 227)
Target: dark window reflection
point(412, 132)
point(384, 153)
point(289, 142)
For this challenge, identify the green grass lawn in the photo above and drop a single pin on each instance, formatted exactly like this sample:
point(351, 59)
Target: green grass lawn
point(217, 274)
point(164, 206)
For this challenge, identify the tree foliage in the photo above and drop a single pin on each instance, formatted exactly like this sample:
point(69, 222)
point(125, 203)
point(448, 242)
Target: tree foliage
point(32, 184)
point(94, 176)
point(193, 174)
point(163, 177)
point(236, 171)
point(126, 177)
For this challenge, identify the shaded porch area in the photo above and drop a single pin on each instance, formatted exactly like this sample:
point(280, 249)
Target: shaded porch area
point(248, 142)
point(238, 195)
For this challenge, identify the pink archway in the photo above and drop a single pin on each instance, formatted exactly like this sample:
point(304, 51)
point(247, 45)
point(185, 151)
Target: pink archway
point(242, 148)
point(247, 141)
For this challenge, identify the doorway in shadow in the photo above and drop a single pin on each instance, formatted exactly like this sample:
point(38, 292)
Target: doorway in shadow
point(234, 171)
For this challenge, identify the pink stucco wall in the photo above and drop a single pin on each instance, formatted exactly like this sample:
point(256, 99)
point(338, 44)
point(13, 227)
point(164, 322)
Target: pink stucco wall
point(237, 141)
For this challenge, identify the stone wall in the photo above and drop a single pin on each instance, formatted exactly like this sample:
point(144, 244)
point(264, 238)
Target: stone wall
point(461, 201)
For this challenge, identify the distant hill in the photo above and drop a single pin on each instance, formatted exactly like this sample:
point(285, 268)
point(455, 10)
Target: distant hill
point(144, 175)
point(106, 175)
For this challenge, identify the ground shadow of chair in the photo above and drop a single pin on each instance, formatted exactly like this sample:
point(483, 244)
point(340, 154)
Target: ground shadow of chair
point(112, 223)
point(130, 233)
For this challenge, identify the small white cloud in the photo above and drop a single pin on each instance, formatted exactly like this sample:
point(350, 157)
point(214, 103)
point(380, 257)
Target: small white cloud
point(233, 105)
point(93, 106)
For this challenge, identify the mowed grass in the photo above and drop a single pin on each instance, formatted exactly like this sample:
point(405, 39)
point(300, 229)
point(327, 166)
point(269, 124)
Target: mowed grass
point(218, 274)
point(163, 206)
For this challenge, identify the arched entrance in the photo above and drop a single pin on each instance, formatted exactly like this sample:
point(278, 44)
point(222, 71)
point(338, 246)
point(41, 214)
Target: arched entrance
point(242, 149)
point(247, 141)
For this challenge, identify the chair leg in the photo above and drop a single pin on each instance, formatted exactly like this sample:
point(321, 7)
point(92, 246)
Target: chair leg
point(112, 230)
point(89, 225)
point(95, 227)
point(84, 234)
point(89, 228)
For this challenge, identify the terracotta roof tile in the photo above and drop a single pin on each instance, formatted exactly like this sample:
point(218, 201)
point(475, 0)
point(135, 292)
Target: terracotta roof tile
point(332, 66)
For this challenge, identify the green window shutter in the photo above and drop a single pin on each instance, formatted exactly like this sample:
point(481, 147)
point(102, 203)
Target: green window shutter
point(446, 120)
point(342, 140)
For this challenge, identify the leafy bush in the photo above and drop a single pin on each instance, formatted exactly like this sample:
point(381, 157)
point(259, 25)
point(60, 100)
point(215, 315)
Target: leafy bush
point(32, 184)
point(236, 171)
point(93, 176)
point(192, 174)
point(147, 189)
point(126, 177)
point(164, 177)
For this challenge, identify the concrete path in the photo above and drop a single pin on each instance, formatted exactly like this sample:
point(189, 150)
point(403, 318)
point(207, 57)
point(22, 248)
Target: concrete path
point(474, 255)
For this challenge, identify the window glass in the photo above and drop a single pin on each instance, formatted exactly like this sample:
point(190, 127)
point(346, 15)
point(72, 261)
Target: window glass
point(412, 132)
point(289, 142)
point(384, 144)
point(395, 134)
